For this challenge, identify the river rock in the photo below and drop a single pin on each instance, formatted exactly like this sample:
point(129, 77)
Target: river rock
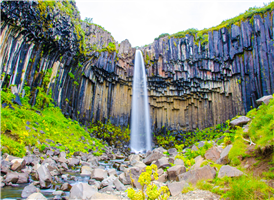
point(264, 99)
point(44, 176)
point(240, 121)
point(198, 161)
point(73, 161)
point(86, 170)
point(179, 162)
point(193, 176)
point(176, 188)
point(162, 163)
point(18, 164)
point(229, 171)
point(212, 154)
point(124, 179)
point(104, 196)
point(64, 166)
point(134, 157)
point(155, 155)
point(162, 178)
point(224, 155)
point(62, 160)
point(49, 153)
point(82, 191)
point(108, 181)
point(62, 154)
point(112, 172)
point(172, 152)
point(12, 177)
point(5, 166)
point(118, 185)
point(23, 178)
point(99, 174)
point(174, 171)
point(36, 196)
point(66, 187)
point(28, 190)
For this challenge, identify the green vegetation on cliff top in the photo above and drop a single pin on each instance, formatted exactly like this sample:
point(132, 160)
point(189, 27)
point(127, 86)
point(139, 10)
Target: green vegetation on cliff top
point(200, 34)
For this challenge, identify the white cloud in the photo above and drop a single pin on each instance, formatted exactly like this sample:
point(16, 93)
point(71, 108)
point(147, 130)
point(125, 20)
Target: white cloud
point(141, 21)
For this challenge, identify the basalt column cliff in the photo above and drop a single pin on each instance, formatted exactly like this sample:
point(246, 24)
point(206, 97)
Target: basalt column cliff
point(191, 83)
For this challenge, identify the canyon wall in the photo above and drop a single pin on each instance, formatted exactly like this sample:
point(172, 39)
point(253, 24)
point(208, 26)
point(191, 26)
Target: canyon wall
point(190, 84)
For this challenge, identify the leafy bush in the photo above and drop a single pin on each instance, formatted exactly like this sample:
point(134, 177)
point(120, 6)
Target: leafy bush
point(149, 191)
point(113, 135)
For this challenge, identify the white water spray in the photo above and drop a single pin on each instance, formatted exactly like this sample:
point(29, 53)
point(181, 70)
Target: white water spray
point(140, 136)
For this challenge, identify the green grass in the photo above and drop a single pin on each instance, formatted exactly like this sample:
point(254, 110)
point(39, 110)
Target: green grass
point(64, 133)
point(202, 35)
point(261, 129)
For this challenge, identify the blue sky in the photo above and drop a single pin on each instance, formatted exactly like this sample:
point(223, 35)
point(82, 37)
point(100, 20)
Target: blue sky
point(142, 21)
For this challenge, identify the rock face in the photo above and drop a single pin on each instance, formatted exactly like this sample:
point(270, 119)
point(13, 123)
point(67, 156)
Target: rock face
point(193, 176)
point(188, 81)
point(82, 191)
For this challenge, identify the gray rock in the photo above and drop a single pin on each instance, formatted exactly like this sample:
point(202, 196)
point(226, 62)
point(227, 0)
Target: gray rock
point(198, 161)
point(66, 187)
point(108, 181)
point(134, 158)
point(44, 176)
point(58, 193)
point(224, 156)
point(174, 171)
point(264, 99)
point(86, 170)
point(153, 157)
point(124, 179)
point(82, 191)
point(118, 185)
point(99, 174)
point(109, 188)
point(18, 164)
point(73, 161)
point(176, 188)
point(172, 152)
point(5, 166)
point(229, 171)
point(37, 196)
point(23, 178)
point(62, 154)
point(112, 172)
point(179, 162)
point(49, 153)
point(12, 177)
point(162, 178)
point(240, 121)
point(212, 154)
point(28, 190)
point(193, 176)
point(103, 196)
point(162, 163)
point(94, 182)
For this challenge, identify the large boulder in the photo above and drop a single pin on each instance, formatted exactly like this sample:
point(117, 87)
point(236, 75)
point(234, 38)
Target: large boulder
point(86, 170)
point(28, 190)
point(103, 196)
point(82, 191)
point(176, 188)
point(155, 155)
point(108, 181)
point(264, 99)
point(173, 172)
point(172, 152)
point(212, 154)
point(66, 187)
point(198, 161)
point(229, 171)
point(224, 155)
point(124, 179)
point(240, 121)
point(12, 177)
point(99, 174)
point(193, 176)
point(73, 161)
point(44, 176)
point(23, 178)
point(18, 164)
point(162, 163)
point(37, 196)
point(5, 166)
point(118, 185)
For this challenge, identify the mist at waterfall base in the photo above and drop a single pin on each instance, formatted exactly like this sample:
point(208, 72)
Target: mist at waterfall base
point(140, 135)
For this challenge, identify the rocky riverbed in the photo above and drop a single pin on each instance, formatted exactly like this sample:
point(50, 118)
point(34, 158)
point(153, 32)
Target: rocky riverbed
point(54, 175)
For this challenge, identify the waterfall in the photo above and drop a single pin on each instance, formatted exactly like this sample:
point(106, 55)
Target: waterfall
point(140, 136)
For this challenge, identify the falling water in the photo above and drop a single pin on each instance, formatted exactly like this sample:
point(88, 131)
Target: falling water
point(140, 137)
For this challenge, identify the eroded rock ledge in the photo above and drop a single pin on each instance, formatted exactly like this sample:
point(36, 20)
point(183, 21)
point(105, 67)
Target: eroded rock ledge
point(191, 85)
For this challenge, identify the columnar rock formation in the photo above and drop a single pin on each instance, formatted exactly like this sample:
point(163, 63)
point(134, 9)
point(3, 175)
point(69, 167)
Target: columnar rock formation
point(191, 85)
